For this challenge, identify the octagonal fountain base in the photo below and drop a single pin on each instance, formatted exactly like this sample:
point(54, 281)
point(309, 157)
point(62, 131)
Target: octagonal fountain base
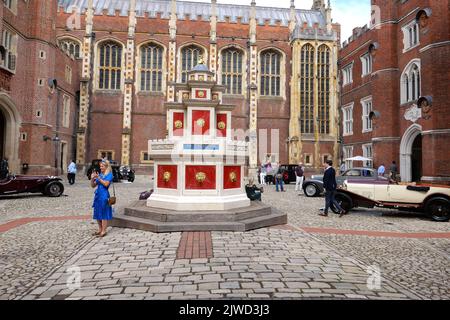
point(139, 216)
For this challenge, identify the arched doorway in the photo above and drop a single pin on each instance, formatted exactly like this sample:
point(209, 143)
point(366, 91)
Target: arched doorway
point(2, 134)
point(10, 122)
point(416, 159)
point(411, 154)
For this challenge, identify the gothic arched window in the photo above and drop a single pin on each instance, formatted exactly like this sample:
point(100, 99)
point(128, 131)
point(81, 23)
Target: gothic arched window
point(323, 69)
point(232, 70)
point(110, 66)
point(410, 83)
point(189, 58)
point(70, 47)
point(151, 68)
point(307, 89)
point(270, 73)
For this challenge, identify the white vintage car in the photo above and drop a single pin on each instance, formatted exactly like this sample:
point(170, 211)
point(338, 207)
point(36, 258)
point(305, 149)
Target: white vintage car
point(432, 200)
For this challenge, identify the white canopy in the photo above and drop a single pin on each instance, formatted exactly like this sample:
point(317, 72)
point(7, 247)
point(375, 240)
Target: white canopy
point(358, 158)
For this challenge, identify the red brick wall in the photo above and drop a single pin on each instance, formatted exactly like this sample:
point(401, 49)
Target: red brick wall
point(384, 84)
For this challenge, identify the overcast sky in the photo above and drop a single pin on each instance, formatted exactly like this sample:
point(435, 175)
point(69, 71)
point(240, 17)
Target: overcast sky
point(349, 13)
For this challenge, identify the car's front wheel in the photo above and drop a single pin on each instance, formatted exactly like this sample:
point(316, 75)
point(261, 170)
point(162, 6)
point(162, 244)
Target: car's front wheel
point(438, 209)
point(311, 190)
point(54, 189)
point(344, 201)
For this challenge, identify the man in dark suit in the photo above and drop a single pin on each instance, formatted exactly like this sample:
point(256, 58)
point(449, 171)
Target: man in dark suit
point(330, 185)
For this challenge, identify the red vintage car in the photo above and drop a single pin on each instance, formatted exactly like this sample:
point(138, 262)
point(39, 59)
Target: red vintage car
point(47, 185)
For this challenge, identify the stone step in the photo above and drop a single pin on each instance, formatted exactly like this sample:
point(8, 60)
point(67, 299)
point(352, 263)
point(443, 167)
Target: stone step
point(123, 221)
point(139, 210)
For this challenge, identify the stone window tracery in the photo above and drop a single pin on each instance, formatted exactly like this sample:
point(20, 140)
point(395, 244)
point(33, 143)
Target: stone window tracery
point(110, 66)
point(70, 47)
point(307, 89)
point(411, 83)
point(232, 70)
point(270, 73)
point(324, 88)
point(189, 59)
point(151, 68)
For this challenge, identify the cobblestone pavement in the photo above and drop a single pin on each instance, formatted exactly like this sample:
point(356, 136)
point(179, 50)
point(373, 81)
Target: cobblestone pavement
point(270, 263)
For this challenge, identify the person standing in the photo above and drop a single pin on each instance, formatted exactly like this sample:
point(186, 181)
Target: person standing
point(342, 168)
point(262, 174)
point(102, 209)
point(394, 171)
point(330, 185)
point(71, 172)
point(381, 170)
point(4, 168)
point(279, 177)
point(300, 176)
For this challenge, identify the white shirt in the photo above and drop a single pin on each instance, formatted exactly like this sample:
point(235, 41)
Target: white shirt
point(72, 168)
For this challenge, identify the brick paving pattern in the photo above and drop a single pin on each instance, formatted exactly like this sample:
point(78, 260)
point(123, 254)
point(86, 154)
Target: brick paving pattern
point(195, 245)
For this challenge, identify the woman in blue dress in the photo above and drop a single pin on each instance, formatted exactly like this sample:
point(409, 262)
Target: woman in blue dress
point(102, 209)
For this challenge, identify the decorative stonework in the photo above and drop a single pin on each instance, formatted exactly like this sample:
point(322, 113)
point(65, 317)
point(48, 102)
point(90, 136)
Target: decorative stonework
point(413, 113)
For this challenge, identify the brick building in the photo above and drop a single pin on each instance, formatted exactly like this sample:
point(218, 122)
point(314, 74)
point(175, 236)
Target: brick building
point(395, 89)
point(279, 67)
point(37, 114)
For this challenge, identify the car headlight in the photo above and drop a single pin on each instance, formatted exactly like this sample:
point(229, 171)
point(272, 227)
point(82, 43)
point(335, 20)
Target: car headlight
point(344, 185)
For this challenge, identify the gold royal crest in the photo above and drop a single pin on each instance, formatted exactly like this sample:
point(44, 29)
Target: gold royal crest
point(178, 124)
point(166, 176)
point(201, 122)
point(200, 177)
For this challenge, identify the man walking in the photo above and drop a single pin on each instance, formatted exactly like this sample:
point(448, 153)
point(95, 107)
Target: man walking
point(394, 171)
point(4, 168)
point(279, 179)
point(300, 175)
point(71, 172)
point(381, 170)
point(330, 185)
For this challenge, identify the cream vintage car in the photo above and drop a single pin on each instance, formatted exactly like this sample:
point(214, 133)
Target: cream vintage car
point(433, 200)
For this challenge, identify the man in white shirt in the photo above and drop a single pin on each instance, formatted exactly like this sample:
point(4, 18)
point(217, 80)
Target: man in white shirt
point(300, 175)
point(381, 170)
point(71, 172)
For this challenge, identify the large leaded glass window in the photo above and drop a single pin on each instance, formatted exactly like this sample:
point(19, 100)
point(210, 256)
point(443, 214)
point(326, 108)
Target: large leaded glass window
point(189, 59)
point(323, 65)
point(151, 72)
point(270, 73)
point(110, 73)
point(232, 70)
point(307, 89)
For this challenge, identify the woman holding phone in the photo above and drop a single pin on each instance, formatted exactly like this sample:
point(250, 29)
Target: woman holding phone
point(102, 209)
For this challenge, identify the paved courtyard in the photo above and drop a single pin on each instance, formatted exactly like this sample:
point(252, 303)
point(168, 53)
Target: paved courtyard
point(45, 242)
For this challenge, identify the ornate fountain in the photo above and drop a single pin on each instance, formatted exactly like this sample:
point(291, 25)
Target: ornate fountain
point(199, 168)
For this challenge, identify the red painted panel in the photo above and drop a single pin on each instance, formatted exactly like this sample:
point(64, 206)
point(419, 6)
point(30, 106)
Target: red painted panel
point(231, 177)
point(200, 122)
point(222, 125)
point(178, 120)
point(201, 94)
point(167, 177)
point(205, 173)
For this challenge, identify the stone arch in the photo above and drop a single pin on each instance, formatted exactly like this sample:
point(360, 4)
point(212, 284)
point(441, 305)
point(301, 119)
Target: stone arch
point(406, 151)
point(12, 131)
